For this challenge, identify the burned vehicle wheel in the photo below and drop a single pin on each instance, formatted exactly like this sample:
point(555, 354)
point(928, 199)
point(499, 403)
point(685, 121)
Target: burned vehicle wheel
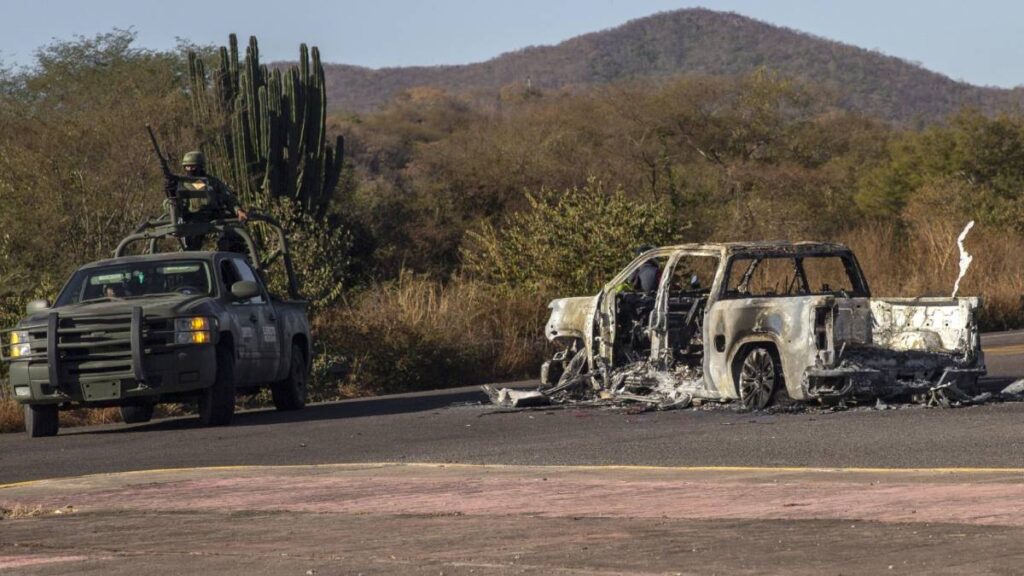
point(757, 378)
point(41, 420)
point(290, 393)
point(137, 413)
point(217, 403)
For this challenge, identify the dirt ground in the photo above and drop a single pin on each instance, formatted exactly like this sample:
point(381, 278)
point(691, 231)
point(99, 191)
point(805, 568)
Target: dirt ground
point(464, 519)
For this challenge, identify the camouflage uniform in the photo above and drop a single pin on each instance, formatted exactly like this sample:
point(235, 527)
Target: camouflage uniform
point(203, 198)
point(206, 198)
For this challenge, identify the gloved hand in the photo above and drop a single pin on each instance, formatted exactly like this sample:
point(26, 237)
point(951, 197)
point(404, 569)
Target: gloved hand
point(170, 186)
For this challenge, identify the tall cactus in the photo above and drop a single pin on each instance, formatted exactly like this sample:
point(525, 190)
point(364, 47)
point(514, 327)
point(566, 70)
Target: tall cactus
point(265, 130)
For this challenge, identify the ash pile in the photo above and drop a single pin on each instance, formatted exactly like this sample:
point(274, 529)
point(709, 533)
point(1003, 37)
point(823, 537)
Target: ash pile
point(638, 383)
point(643, 386)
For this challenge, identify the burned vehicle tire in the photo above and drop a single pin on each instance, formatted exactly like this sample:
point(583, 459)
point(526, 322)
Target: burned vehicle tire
point(758, 377)
point(41, 420)
point(217, 403)
point(290, 393)
point(137, 413)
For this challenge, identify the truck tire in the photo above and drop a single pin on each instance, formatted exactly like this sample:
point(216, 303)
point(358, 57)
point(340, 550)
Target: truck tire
point(217, 403)
point(290, 393)
point(758, 377)
point(137, 413)
point(41, 420)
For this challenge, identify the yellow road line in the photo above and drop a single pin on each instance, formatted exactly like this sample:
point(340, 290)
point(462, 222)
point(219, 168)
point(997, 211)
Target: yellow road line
point(553, 468)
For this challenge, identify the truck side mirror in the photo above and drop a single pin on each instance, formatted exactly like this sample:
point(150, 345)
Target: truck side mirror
point(36, 306)
point(244, 290)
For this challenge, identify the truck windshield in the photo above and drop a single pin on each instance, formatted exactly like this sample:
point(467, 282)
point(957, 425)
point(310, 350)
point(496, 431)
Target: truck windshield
point(187, 277)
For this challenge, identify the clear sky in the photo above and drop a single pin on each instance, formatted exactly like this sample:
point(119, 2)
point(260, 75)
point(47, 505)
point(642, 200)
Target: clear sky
point(981, 41)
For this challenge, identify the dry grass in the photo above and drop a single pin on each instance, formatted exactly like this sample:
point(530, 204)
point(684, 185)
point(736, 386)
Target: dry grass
point(416, 333)
point(924, 260)
point(12, 418)
point(22, 511)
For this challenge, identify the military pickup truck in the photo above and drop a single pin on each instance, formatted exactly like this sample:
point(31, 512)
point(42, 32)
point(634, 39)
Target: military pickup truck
point(749, 321)
point(137, 330)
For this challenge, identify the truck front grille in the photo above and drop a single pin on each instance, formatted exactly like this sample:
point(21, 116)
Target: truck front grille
point(103, 348)
point(95, 348)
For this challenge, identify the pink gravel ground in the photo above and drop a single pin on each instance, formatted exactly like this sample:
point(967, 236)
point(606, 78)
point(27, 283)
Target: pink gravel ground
point(978, 498)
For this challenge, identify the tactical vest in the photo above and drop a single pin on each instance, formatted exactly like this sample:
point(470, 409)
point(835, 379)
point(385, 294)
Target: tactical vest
point(198, 195)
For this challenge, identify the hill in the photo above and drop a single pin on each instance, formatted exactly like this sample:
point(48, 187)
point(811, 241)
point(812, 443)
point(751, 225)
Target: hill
point(695, 41)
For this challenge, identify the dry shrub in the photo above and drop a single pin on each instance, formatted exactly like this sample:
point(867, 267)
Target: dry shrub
point(416, 333)
point(12, 417)
point(923, 259)
point(20, 511)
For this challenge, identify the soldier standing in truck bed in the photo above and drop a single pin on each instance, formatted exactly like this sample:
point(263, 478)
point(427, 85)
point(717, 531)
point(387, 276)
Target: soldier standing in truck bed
point(205, 198)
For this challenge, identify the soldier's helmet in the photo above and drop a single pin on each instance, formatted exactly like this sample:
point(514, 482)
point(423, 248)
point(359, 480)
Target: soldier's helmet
point(194, 158)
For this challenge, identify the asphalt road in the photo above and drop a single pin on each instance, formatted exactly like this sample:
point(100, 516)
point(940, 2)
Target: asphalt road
point(455, 426)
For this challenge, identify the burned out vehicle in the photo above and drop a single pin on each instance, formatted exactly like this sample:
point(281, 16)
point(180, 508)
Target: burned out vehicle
point(137, 330)
point(753, 322)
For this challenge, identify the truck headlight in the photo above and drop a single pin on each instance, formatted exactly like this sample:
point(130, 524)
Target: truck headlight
point(20, 346)
point(194, 330)
point(201, 337)
point(191, 324)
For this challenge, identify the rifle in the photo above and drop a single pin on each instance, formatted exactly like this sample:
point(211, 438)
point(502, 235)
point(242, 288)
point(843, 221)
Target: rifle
point(169, 178)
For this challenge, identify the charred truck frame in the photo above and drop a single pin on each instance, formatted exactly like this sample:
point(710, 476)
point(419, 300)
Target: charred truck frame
point(750, 321)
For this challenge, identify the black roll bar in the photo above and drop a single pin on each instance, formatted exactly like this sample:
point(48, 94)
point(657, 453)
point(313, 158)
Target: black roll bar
point(169, 226)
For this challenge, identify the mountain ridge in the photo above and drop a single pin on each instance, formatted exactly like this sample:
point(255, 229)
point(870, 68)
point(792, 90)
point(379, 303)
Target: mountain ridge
point(689, 41)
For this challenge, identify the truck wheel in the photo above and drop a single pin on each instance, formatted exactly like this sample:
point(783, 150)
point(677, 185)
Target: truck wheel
point(41, 420)
point(137, 413)
point(290, 393)
point(757, 378)
point(217, 403)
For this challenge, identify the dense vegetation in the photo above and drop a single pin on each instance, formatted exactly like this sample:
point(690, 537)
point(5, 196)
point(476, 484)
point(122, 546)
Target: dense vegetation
point(453, 223)
point(691, 41)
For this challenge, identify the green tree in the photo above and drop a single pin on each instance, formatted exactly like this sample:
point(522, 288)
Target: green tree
point(979, 155)
point(76, 170)
point(567, 242)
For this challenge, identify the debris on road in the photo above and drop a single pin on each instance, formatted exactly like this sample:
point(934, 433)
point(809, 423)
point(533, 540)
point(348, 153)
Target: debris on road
point(642, 388)
point(512, 398)
point(642, 385)
point(1014, 389)
point(635, 383)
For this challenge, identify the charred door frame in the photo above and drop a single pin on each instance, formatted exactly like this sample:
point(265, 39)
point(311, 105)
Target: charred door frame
point(661, 348)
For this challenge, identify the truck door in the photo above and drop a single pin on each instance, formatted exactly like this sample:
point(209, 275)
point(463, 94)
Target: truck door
point(245, 328)
point(678, 320)
point(262, 315)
